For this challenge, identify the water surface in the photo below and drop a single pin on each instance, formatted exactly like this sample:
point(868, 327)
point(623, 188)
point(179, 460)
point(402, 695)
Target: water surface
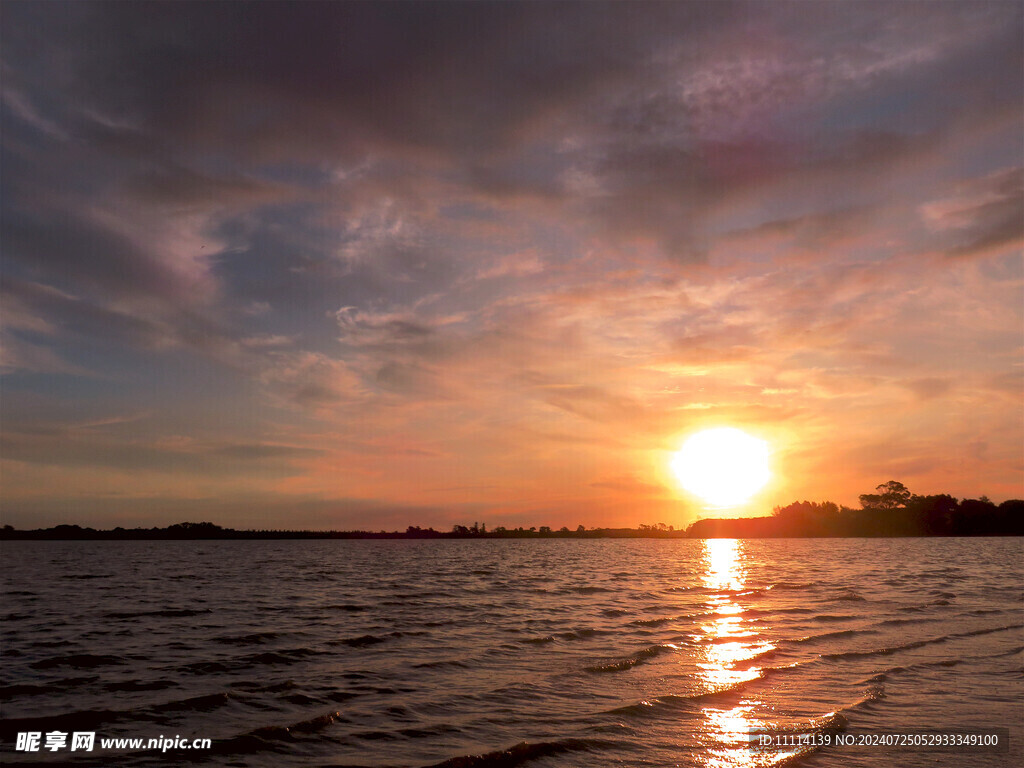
point(507, 652)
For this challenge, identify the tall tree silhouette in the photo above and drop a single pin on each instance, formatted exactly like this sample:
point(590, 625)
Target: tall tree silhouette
point(891, 495)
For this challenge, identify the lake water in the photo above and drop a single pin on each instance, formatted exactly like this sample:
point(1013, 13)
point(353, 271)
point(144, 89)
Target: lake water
point(506, 652)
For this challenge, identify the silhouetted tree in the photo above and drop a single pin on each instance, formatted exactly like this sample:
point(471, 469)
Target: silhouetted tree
point(931, 515)
point(808, 518)
point(977, 516)
point(203, 530)
point(891, 495)
point(1011, 517)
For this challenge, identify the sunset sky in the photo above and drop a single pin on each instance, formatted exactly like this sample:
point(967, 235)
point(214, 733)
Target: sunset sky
point(370, 265)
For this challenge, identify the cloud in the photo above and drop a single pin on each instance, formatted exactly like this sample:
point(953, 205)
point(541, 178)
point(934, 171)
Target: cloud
point(100, 250)
point(260, 451)
point(927, 388)
point(986, 214)
point(61, 447)
point(310, 380)
point(19, 355)
point(69, 315)
point(552, 94)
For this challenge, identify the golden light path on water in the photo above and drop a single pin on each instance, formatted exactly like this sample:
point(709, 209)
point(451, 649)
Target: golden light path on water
point(730, 640)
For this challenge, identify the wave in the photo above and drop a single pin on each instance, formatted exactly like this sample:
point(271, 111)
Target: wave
point(833, 635)
point(523, 752)
point(774, 612)
point(441, 663)
point(25, 689)
point(440, 729)
point(883, 651)
point(87, 576)
point(347, 607)
point(753, 661)
point(177, 613)
point(653, 622)
point(613, 612)
point(204, 668)
point(918, 643)
point(580, 634)
point(884, 675)
point(988, 631)
point(673, 704)
point(257, 638)
point(31, 689)
point(258, 687)
point(538, 640)
point(1011, 652)
point(288, 656)
point(78, 661)
point(195, 704)
point(745, 639)
point(790, 585)
point(132, 686)
point(359, 642)
point(639, 658)
point(278, 657)
point(849, 596)
point(831, 722)
point(301, 700)
point(713, 594)
point(275, 738)
point(405, 597)
point(912, 620)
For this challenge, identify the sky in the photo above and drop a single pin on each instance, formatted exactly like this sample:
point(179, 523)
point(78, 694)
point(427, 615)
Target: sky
point(370, 265)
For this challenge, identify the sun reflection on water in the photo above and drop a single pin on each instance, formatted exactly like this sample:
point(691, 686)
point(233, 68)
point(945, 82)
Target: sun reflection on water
point(731, 643)
point(724, 569)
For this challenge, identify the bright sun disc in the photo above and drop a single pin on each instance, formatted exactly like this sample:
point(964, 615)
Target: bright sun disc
point(724, 466)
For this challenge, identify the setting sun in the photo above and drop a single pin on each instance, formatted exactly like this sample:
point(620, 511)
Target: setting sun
point(724, 466)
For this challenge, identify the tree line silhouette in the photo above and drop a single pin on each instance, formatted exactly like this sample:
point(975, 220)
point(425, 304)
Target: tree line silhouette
point(889, 512)
point(207, 531)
